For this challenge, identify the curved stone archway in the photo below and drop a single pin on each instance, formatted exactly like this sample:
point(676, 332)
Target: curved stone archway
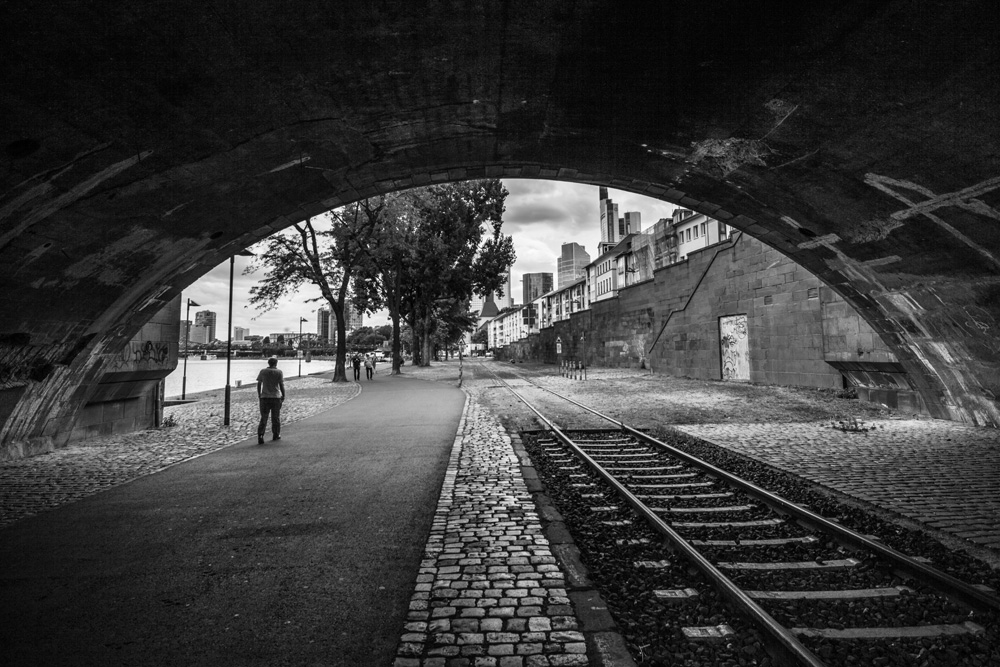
point(143, 146)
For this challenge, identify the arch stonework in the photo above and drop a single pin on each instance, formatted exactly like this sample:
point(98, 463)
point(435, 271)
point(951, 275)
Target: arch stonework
point(144, 146)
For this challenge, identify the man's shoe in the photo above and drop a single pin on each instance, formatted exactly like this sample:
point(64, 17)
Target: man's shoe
point(277, 437)
point(260, 440)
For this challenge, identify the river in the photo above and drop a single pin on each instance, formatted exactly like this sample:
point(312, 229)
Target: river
point(211, 373)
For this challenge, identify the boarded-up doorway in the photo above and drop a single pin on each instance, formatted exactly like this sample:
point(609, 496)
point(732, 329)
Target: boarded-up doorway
point(735, 348)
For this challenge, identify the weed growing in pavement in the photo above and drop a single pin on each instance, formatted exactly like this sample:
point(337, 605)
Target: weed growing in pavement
point(169, 421)
point(853, 425)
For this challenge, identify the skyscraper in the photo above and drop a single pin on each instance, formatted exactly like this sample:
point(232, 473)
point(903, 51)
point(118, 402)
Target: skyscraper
point(534, 285)
point(613, 228)
point(324, 325)
point(326, 322)
point(205, 318)
point(631, 224)
point(609, 221)
point(240, 333)
point(507, 299)
point(571, 264)
point(476, 303)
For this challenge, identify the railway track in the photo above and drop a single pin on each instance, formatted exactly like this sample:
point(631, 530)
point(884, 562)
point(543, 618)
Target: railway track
point(799, 586)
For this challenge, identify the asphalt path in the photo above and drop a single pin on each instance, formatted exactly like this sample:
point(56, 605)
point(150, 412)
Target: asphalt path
point(297, 552)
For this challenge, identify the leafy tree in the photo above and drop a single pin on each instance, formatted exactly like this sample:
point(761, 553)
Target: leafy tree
point(435, 257)
point(381, 281)
point(326, 257)
point(480, 336)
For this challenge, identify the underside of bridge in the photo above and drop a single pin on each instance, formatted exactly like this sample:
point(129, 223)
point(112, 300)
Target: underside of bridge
point(143, 144)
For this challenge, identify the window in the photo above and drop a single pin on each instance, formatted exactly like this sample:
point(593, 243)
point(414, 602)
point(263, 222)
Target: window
point(703, 229)
point(688, 234)
point(696, 231)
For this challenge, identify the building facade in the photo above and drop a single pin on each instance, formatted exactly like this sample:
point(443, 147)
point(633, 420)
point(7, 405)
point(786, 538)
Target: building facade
point(240, 333)
point(535, 285)
point(571, 264)
point(206, 318)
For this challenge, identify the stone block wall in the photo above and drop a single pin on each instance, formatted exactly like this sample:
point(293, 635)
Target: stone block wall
point(800, 332)
point(129, 395)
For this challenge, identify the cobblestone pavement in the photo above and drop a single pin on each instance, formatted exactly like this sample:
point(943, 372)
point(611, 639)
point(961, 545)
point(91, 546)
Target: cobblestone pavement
point(32, 485)
point(489, 592)
point(940, 473)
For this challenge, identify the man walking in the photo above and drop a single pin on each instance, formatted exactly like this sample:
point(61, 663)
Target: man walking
point(356, 363)
point(271, 392)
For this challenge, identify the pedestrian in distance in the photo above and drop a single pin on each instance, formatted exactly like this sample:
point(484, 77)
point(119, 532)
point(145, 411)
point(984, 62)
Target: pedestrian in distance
point(356, 364)
point(271, 393)
point(369, 366)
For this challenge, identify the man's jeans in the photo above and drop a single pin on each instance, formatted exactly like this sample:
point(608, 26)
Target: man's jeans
point(270, 406)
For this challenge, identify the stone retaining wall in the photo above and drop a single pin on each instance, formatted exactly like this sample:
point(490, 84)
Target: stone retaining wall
point(800, 332)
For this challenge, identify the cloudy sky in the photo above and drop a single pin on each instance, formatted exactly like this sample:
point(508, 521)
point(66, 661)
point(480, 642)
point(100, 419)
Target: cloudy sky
point(540, 215)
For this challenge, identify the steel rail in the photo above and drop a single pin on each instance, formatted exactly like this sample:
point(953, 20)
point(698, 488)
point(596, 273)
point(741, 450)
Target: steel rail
point(945, 583)
point(784, 646)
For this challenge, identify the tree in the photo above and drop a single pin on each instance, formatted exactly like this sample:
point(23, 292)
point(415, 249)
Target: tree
point(480, 336)
point(325, 257)
point(381, 281)
point(447, 258)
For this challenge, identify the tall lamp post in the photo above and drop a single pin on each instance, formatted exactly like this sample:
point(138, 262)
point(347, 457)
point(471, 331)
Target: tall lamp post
point(301, 320)
point(187, 339)
point(229, 335)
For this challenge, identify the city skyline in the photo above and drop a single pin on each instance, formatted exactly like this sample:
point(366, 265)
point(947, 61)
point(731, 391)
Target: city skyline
point(540, 216)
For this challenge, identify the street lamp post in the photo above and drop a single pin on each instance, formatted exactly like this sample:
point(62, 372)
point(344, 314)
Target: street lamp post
point(301, 320)
point(229, 337)
point(187, 339)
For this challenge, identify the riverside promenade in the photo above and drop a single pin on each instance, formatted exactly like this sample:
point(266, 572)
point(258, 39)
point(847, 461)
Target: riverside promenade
point(234, 553)
point(302, 551)
point(391, 525)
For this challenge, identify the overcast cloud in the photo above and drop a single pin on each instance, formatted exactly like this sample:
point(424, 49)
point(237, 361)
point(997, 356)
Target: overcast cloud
point(540, 215)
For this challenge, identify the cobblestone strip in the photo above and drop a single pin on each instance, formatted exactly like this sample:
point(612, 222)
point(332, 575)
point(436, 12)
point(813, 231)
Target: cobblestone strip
point(942, 474)
point(489, 592)
point(38, 483)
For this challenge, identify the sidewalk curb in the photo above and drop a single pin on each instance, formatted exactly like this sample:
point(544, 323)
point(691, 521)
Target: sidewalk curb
point(604, 644)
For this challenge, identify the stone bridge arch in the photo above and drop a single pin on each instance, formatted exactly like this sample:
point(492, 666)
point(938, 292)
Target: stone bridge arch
point(144, 145)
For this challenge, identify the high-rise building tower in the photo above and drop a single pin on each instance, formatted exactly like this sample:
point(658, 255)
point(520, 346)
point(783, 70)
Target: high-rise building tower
point(631, 224)
point(572, 263)
point(476, 303)
point(534, 285)
point(507, 300)
point(206, 318)
point(325, 325)
point(609, 222)
point(240, 333)
point(353, 318)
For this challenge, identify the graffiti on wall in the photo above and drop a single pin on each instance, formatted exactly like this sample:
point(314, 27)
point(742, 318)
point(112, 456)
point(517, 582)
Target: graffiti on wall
point(735, 347)
point(141, 355)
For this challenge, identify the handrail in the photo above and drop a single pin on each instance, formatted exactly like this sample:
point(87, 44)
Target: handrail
point(691, 295)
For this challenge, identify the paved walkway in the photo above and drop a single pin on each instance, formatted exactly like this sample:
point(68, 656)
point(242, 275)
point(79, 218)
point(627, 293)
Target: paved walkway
point(32, 485)
point(490, 592)
point(297, 552)
point(490, 589)
point(943, 474)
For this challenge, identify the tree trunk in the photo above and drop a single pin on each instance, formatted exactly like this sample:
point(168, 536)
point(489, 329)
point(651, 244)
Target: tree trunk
point(415, 341)
point(428, 339)
point(339, 369)
point(394, 314)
